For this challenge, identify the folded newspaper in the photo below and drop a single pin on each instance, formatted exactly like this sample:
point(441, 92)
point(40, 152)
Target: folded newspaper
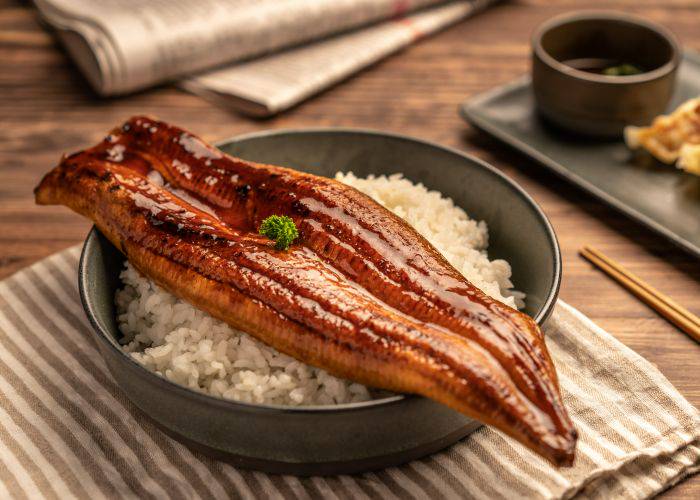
point(266, 55)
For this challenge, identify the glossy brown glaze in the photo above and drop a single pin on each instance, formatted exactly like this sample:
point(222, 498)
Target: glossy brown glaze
point(360, 294)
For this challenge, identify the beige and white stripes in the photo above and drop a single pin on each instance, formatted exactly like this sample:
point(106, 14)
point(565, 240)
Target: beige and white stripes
point(67, 431)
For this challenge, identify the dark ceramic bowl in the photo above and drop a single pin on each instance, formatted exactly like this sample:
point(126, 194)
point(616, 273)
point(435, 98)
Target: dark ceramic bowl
point(349, 437)
point(596, 104)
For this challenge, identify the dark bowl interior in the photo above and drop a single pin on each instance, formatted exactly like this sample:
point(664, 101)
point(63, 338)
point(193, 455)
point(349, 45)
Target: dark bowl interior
point(351, 437)
point(618, 39)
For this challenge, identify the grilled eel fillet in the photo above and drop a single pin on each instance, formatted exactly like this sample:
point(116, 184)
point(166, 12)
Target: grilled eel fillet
point(360, 293)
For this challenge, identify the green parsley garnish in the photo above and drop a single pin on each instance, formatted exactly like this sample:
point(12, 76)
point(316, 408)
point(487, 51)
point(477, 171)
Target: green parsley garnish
point(622, 70)
point(281, 229)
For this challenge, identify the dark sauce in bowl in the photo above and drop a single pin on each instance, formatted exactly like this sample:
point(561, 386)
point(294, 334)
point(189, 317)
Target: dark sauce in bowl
point(605, 66)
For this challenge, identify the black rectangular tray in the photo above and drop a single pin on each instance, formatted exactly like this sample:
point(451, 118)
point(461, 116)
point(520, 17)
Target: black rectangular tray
point(658, 196)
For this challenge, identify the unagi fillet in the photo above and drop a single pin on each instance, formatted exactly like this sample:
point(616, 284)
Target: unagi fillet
point(360, 293)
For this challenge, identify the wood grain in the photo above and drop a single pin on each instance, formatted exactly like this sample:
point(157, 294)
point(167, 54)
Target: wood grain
point(46, 108)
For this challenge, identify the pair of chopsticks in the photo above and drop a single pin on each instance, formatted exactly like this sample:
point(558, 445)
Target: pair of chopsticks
point(664, 305)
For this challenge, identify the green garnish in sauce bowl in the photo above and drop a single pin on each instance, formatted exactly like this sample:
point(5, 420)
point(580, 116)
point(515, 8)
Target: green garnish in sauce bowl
point(625, 69)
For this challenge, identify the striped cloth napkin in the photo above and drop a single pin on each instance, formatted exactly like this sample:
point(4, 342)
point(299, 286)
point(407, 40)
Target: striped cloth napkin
point(68, 431)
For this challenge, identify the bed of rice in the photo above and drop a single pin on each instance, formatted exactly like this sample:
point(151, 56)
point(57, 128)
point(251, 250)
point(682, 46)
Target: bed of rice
point(188, 346)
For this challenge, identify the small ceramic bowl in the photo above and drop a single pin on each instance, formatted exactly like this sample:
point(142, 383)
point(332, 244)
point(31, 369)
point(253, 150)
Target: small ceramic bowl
point(570, 51)
point(351, 437)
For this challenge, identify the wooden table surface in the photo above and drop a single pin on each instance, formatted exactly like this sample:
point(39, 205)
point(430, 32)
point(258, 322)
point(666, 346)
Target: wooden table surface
point(46, 108)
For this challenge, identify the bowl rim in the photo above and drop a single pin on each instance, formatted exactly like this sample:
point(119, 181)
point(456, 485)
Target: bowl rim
point(107, 340)
point(662, 71)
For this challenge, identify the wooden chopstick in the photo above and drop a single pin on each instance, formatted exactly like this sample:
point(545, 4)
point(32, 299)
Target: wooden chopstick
point(597, 256)
point(686, 321)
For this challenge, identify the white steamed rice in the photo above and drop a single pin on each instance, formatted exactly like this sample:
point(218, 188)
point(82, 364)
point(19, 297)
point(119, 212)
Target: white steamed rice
point(188, 346)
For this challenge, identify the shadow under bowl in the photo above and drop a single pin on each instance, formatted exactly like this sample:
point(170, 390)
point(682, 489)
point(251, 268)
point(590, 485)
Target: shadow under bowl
point(345, 438)
point(568, 53)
